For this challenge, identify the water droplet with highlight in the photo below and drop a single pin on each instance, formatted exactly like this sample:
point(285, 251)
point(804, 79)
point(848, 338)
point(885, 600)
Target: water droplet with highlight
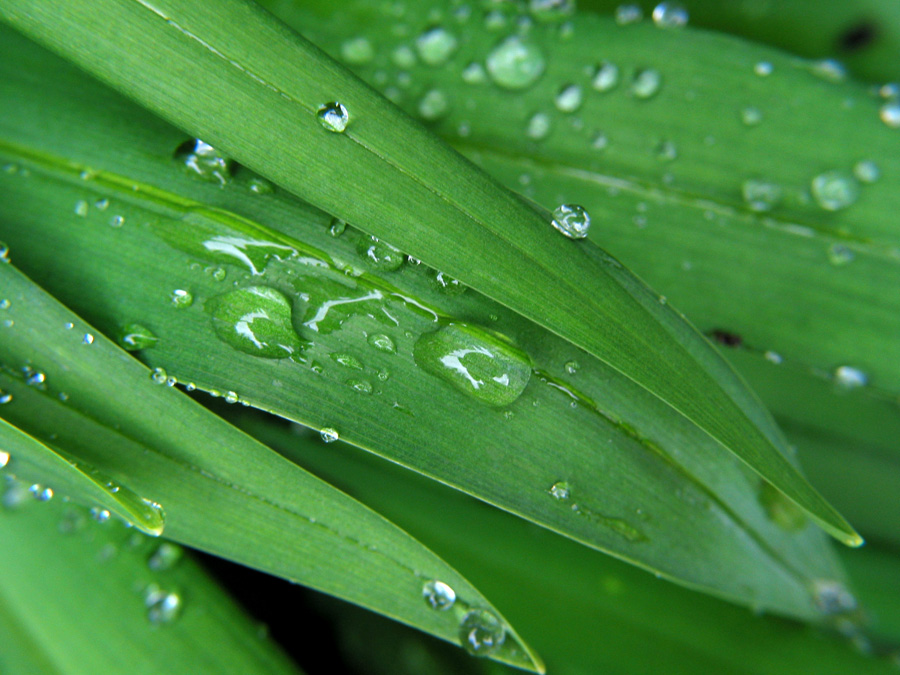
point(255, 320)
point(751, 116)
point(337, 227)
point(646, 83)
point(436, 46)
point(380, 254)
point(200, 160)
point(260, 186)
point(866, 171)
point(182, 298)
point(627, 14)
point(763, 68)
point(569, 98)
point(5, 397)
point(606, 77)
point(360, 386)
point(670, 15)
point(357, 51)
point(481, 632)
point(158, 375)
point(830, 70)
point(666, 151)
point(117, 221)
point(433, 105)
point(438, 595)
point(163, 607)
point(848, 377)
point(538, 126)
point(81, 208)
point(560, 490)
point(446, 284)
point(474, 73)
point(329, 435)
point(99, 514)
point(41, 492)
point(835, 190)
point(133, 337)
point(551, 10)
point(572, 220)
point(403, 57)
point(34, 378)
point(477, 363)
point(571, 367)
point(761, 195)
point(333, 116)
point(515, 63)
point(840, 255)
point(165, 557)
point(382, 343)
point(890, 114)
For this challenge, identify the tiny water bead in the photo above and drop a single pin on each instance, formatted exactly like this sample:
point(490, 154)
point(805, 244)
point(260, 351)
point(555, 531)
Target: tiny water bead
point(606, 77)
point(117, 221)
point(848, 377)
point(670, 15)
point(99, 514)
point(475, 362)
point(403, 57)
point(646, 83)
point(382, 343)
point(163, 607)
point(357, 51)
point(446, 284)
point(890, 114)
point(571, 367)
point(835, 190)
point(551, 10)
point(666, 151)
point(538, 126)
point(200, 160)
point(866, 171)
point(433, 105)
point(182, 298)
point(481, 632)
point(569, 98)
point(761, 195)
point(627, 14)
point(380, 254)
point(255, 320)
point(329, 435)
point(5, 303)
point(515, 63)
point(572, 220)
point(333, 116)
point(438, 595)
point(34, 378)
point(436, 46)
point(347, 360)
point(260, 186)
point(81, 208)
point(560, 490)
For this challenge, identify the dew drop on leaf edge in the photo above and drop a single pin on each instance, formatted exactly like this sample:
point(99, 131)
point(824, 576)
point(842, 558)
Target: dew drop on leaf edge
point(438, 595)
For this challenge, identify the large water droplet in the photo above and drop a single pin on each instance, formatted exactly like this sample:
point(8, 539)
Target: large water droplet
point(357, 51)
point(134, 337)
point(572, 220)
point(670, 15)
point(515, 63)
point(476, 362)
point(255, 320)
point(380, 254)
point(382, 343)
point(438, 595)
point(436, 46)
point(201, 160)
point(4, 459)
point(835, 190)
point(569, 98)
point(481, 632)
point(646, 83)
point(761, 195)
point(333, 116)
point(606, 76)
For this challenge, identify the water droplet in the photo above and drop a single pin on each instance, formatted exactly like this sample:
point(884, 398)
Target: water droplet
point(646, 83)
point(538, 126)
point(627, 14)
point(474, 73)
point(572, 220)
point(781, 510)
point(436, 46)
point(100, 515)
point(403, 57)
point(890, 114)
point(569, 98)
point(133, 337)
point(329, 435)
point(847, 377)
point(4, 459)
point(438, 595)
point(102, 204)
point(433, 105)
point(600, 141)
point(670, 15)
point(480, 364)
point(829, 69)
point(5, 303)
point(446, 284)
point(34, 378)
point(88, 339)
point(231, 397)
point(839, 255)
point(481, 632)
point(202, 161)
point(117, 221)
point(165, 557)
point(5, 397)
point(515, 63)
point(337, 227)
point(380, 254)
point(255, 320)
point(158, 375)
point(361, 386)
point(751, 116)
point(81, 208)
point(551, 10)
point(773, 357)
point(606, 77)
point(357, 51)
point(382, 343)
point(666, 151)
point(560, 490)
point(163, 607)
point(347, 360)
point(761, 195)
point(333, 116)
point(832, 597)
point(763, 68)
point(260, 186)
point(866, 171)
point(41, 492)
point(182, 298)
point(571, 367)
point(4, 253)
point(835, 190)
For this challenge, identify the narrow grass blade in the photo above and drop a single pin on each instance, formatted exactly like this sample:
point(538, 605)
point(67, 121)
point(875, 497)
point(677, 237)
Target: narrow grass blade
point(220, 491)
point(659, 492)
point(82, 597)
point(259, 95)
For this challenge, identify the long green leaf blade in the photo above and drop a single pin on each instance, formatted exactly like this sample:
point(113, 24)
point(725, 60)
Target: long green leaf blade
point(442, 210)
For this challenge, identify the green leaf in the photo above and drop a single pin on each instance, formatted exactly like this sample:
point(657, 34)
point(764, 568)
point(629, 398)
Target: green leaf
point(441, 210)
point(84, 597)
point(648, 485)
point(220, 491)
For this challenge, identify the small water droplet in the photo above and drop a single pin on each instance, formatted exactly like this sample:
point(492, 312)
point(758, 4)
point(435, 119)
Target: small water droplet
point(380, 254)
point(101, 204)
point(773, 357)
point(600, 141)
point(438, 595)
point(840, 255)
point(158, 375)
point(382, 343)
point(606, 77)
point(165, 557)
point(357, 51)
point(628, 14)
point(560, 490)
point(835, 190)
point(99, 514)
point(763, 68)
point(538, 126)
point(832, 597)
point(761, 195)
point(433, 105)
point(5, 397)
point(646, 83)
point(361, 386)
point(4, 459)
point(337, 227)
point(41, 492)
point(830, 70)
point(231, 397)
point(333, 116)
point(182, 298)
point(446, 284)
point(133, 337)
point(481, 632)
point(847, 377)
point(890, 114)
point(34, 378)
point(866, 171)
point(751, 116)
point(81, 208)
point(329, 435)
point(571, 367)
point(255, 320)
point(474, 73)
point(670, 15)
point(515, 63)
point(436, 46)
point(5, 303)
point(88, 339)
point(202, 161)
point(569, 98)
point(572, 220)
point(117, 221)
point(347, 360)
point(403, 56)
point(551, 10)
point(260, 186)
point(163, 607)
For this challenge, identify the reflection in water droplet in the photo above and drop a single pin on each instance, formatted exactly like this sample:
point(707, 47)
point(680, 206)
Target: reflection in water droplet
point(847, 377)
point(100, 515)
point(163, 607)
point(337, 227)
point(571, 367)
point(475, 362)
point(134, 337)
point(481, 632)
point(333, 116)
point(835, 190)
point(436, 46)
point(438, 595)
point(761, 195)
point(572, 220)
point(329, 435)
point(646, 83)
point(200, 160)
point(626, 14)
point(260, 186)
point(380, 254)
point(560, 490)
point(255, 320)
point(670, 15)
point(606, 77)
point(158, 375)
point(34, 378)
point(515, 63)
point(382, 343)
point(182, 298)
point(88, 339)
point(361, 386)
point(4, 459)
